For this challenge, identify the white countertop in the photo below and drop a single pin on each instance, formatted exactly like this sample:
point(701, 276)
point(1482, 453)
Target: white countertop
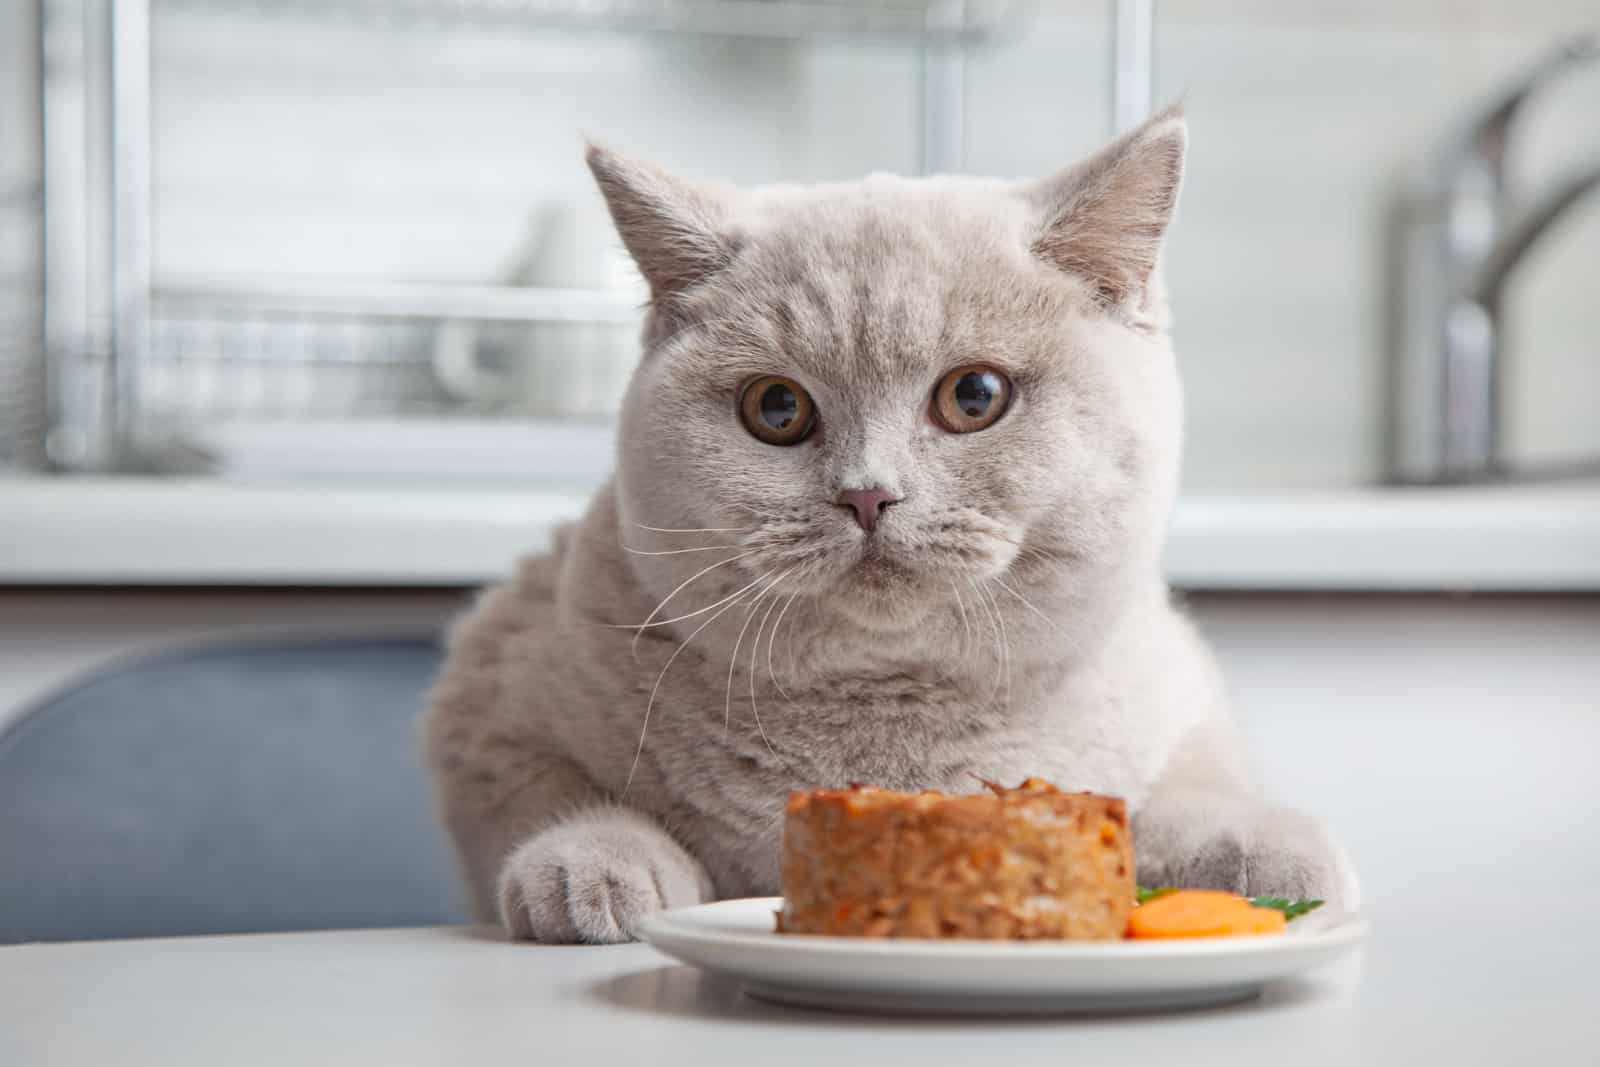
point(130, 531)
point(463, 996)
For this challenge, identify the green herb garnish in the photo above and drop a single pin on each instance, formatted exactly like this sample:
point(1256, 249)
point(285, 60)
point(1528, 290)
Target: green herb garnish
point(1292, 909)
point(1141, 894)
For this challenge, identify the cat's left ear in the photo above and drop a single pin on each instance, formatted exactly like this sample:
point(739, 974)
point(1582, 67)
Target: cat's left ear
point(1104, 219)
point(675, 230)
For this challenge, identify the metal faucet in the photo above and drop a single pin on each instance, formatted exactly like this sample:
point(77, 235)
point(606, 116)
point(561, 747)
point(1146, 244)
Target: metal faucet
point(1459, 242)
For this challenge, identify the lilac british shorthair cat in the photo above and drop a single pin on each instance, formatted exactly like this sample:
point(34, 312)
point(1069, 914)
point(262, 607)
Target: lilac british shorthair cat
point(892, 480)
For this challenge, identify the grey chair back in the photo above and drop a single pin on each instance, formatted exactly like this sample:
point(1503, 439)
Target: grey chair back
point(225, 790)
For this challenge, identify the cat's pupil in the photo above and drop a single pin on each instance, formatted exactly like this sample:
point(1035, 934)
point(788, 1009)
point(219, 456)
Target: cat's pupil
point(975, 391)
point(779, 406)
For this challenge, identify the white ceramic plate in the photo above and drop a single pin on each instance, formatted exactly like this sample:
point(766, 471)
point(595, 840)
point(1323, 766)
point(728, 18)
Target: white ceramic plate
point(736, 938)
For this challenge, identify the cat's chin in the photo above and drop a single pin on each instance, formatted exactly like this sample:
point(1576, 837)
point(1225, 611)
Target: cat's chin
point(879, 614)
point(881, 592)
point(882, 573)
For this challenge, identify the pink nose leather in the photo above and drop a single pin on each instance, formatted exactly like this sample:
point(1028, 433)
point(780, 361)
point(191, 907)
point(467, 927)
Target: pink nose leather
point(868, 504)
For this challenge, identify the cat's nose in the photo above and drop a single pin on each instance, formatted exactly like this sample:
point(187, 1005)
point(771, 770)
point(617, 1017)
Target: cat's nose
point(868, 504)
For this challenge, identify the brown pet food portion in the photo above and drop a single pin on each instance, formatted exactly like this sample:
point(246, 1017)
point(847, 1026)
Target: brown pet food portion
point(1021, 864)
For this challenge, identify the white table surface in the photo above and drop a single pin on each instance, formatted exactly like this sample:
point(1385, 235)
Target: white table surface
point(464, 996)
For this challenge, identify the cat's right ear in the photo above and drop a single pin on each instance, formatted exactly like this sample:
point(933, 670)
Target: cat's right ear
point(1104, 219)
point(673, 230)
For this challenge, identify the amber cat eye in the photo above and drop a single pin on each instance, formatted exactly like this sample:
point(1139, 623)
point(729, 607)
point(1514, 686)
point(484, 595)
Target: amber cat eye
point(777, 410)
point(971, 398)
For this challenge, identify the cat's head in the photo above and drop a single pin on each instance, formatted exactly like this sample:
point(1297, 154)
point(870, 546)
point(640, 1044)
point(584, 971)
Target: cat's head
point(886, 388)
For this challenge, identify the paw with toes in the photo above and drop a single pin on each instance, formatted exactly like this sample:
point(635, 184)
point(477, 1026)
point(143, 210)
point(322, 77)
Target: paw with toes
point(594, 879)
point(1255, 852)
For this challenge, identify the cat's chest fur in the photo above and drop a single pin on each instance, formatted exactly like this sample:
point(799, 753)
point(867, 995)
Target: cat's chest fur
point(725, 787)
point(714, 740)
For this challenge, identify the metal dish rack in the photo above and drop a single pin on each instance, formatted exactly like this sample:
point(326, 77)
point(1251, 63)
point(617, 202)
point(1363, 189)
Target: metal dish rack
point(142, 371)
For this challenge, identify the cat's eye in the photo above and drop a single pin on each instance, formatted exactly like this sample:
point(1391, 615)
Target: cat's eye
point(971, 398)
point(777, 410)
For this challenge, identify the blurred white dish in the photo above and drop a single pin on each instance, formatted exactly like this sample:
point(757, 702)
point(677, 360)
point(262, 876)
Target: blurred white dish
point(736, 938)
point(551, 368)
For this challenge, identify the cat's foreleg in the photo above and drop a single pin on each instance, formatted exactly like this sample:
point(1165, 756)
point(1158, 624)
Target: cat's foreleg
point(594, 875)
point(550, 857)
point(1203, 827)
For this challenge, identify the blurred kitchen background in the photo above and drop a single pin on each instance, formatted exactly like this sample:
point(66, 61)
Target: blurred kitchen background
point(310, 321)
point(302, 208)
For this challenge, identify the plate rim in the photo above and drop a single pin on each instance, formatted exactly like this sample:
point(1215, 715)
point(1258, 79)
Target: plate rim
point(669, 925)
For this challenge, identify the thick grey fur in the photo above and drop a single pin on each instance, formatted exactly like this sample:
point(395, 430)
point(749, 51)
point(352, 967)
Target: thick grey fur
point(1007, 618)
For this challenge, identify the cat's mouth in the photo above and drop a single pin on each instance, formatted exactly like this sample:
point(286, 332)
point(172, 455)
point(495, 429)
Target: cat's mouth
point(890, 566)
point(886, 574)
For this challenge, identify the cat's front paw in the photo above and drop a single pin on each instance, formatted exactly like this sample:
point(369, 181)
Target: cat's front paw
point(594, 878)
point(1257, 852)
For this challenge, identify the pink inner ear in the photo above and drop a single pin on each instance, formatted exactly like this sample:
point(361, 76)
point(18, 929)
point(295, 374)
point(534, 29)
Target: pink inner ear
point(672, 228)
point(1106, 217)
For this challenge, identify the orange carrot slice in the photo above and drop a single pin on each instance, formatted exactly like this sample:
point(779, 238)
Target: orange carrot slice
point(1267, 920)
point(1202, 913)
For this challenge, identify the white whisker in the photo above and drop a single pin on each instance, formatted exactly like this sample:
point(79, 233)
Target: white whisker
point(681, 587)
point(966, 624)
point(651, 703)
point(773, 637)
point(1005, 645)
point(1026, 603)
point(1044, 555)
point(815, 609)
point(994, 627)
point(727, 689)
point(668, 622)
point(676, 551)
point(695, 529)
point(733, 596)
point(755, 648)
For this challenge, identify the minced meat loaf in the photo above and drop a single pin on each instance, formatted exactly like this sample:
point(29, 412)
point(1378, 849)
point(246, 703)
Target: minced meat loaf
point(1024, 863)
